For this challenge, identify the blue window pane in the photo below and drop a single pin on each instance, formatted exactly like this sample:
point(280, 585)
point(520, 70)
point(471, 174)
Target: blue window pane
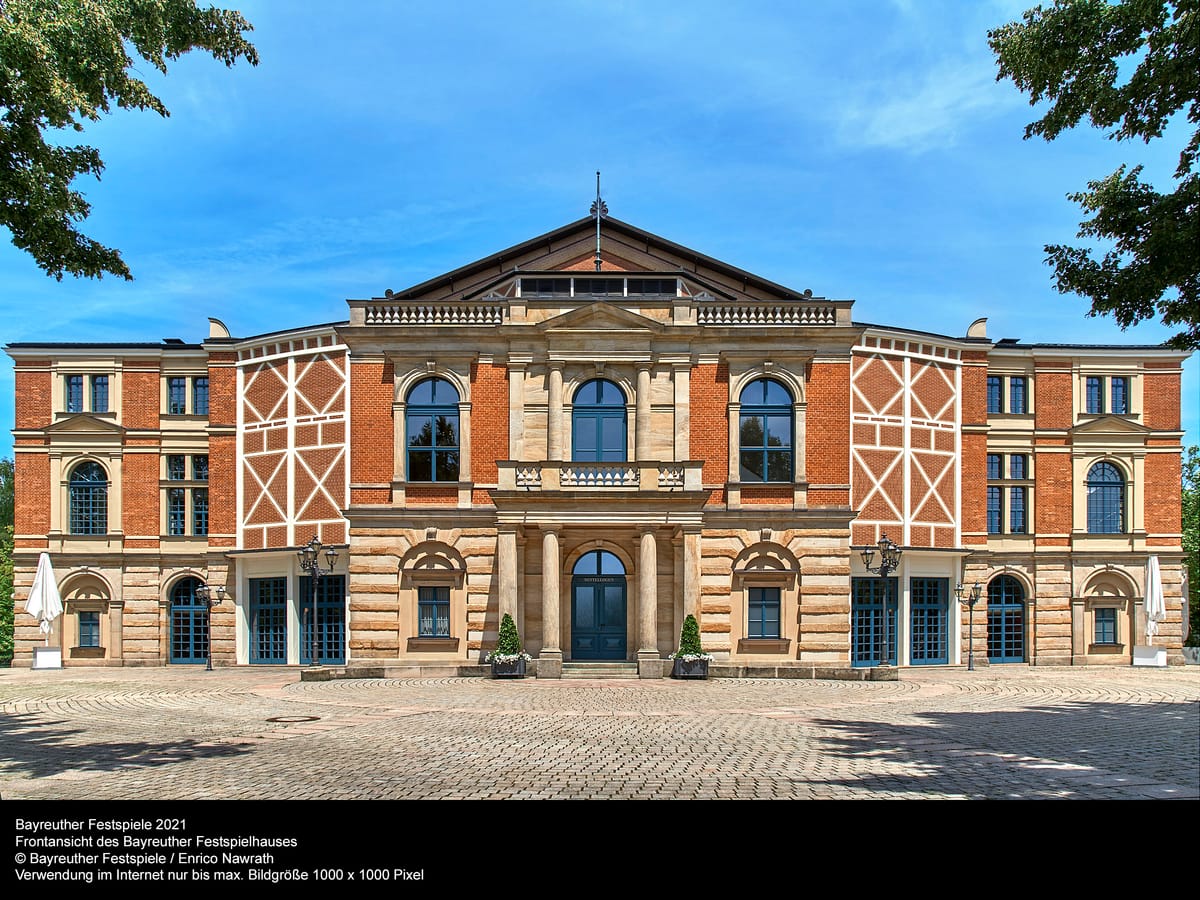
point(1106, 626)
point(268, 620)
point(929, 598)
point(763, 620)
point(1017, 466)
point(189, 624)
point(873, 620)
point(1120, 396)
point(1016, 395)
point(420, 431)
point(599, 392)
point(89, 629)
point(993, 465)
point(752, 466)
point(993, 394)
point(200, 396)
point(433, 392)
point(74, 393)
point(200, 511)
point(200, 467)
point(99, 393)
point(1016, 510)
point(993, 510)
point(176, 396)
point(176, 511)
point(89, 499)
point(420, 465)
point(1105, 499)
point(330, 615)
point(433, 612)
point(1006, 620)
point(1095, 395)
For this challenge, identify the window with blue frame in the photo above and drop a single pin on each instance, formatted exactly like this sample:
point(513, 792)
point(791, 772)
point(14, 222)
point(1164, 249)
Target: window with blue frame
point(189, 623)
point(1119, 392)
point(1105, 499)
point(929, 605)
point(74, 393)
point(433, 611)
point(200, 396)
point(993, 393)
point(764, 613)
point(268, 620)
point(200, 511)
point(89, 628)
point(765, 432)
point(993, 465)
point(330, 620)
point(1018, 466)
point(432, 425)
point(200, 467)
point(873, 620)
point(176, 396)
point(1106, 625)
point(1094, 390)
point(1017, 395)
point(88, 495)
point(99, 393)
point(1016, 510)
point(176, 511)
point(599, 423)
point(994, 512)
point(1005, 620)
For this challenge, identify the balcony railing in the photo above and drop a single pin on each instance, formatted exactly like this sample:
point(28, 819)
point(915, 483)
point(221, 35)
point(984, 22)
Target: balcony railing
point(554, 475)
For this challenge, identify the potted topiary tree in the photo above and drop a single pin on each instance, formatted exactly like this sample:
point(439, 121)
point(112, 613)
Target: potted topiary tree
point(690, 660)
point(508, 659)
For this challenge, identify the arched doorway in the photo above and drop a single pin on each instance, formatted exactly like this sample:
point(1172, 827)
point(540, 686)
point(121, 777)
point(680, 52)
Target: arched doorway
point(1006, 620)
point(189, 623)
point(598, 604)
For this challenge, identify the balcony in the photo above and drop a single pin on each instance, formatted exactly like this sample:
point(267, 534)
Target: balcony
point(641, 475)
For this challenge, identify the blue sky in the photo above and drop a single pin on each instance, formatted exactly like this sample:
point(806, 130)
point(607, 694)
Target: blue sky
point(860, 148)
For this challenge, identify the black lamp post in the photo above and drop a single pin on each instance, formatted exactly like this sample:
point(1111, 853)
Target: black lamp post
point(889, 561)
point(310, 562)
point(210, 597)
point(970, 598)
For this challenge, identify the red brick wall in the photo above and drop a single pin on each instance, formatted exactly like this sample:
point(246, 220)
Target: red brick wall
point(771, 495)
point(139, 492)
point(1160, 400)
point(140, 397)
point(1162, 512)
point(371, 440)
point(974, 448)
point(33, 496)
point(827, 426)
point(33, 396)
point(1053, 485)
point(222, 450)
point(1054, 405)
point(708, 396)
point(489, 421)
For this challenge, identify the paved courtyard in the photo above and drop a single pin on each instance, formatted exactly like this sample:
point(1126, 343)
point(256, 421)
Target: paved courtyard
point(1001, 732)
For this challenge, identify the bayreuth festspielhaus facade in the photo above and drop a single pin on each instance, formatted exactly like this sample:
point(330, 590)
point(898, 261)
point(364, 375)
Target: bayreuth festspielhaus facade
point(599, 451)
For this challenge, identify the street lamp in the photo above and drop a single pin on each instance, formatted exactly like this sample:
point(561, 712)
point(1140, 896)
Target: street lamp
point(310, 562)
point(970, 598)
point(210, 597)
point(889, 561)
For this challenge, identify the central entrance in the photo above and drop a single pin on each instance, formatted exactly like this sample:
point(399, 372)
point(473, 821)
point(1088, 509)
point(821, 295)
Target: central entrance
point(598, 607)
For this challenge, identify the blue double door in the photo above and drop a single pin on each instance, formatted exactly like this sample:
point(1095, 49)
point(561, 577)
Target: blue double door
point(598, 608)
point(268, 620)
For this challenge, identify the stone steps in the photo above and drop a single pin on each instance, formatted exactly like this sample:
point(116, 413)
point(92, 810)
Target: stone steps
point(599, 670)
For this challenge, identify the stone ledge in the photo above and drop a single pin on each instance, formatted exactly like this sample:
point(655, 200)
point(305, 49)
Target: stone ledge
point(801, 670)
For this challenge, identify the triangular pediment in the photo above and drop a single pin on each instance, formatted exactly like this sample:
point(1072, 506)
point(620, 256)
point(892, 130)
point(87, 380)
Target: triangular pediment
point(84, 423)
point(1109, 425)
point(600, 316)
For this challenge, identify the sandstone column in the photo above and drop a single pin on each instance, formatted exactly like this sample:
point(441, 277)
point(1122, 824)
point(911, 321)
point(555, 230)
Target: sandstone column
point(691, 572)
point(641, 439)
point(649, 661)
point(506, 570)
point(550, 659)
point(554, 413)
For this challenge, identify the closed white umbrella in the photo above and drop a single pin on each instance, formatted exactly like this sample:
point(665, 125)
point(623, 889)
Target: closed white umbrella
point(1156, 606)
point(45, 602)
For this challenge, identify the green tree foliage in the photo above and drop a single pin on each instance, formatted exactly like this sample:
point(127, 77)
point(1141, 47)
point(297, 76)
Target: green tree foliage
point(7, 499)
point(1191, 536)
point(509, 641)
point(63, 62)
point(689, 637)
point(1128, 67)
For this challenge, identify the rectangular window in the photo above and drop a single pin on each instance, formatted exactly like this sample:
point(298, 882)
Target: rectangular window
point(200, 467)
point(99, 393)
point(993, 510)
point(993, 465)
point(1095, 395)
point(176, 511)
point(200, 396)
point(1106, 626)
point(993, 393)
point(1016, 395)
point(74, 393)
point(433, 612)
point(176, 396)
point(176, 468)
point(200, 511)
point(1120, 397)
point(1016, 510)
point(89, 629)
point(764, 613)
point(1018, 466)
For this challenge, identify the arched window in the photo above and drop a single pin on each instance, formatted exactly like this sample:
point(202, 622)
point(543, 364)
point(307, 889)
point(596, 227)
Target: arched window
point(432, 427)
point(765, 432)
point(189, 623)
point(598, 423)
point(1105, 499)
point(89, 499)
point(1005, 620)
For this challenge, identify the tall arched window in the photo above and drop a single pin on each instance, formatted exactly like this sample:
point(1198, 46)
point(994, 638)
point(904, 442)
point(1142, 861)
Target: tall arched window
point(1105, 499)
point(598, 423)
point(765, 432)
point(432, 427)
point(189, 623)
point(89, 499)
point(1005, 620)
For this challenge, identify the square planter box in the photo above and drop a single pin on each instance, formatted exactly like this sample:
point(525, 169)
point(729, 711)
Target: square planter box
point(695, 668)
point(509, 669)
point(47, 658)
point(1150, 656)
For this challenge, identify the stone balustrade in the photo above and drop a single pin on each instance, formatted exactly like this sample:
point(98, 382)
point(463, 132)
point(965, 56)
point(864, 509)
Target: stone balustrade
point(641, 475)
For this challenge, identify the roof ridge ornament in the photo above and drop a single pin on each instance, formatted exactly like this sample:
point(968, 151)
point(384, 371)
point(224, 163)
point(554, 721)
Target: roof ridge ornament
point(598, 211)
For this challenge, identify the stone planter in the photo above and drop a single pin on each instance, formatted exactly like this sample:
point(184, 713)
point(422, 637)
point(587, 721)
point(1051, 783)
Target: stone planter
point(509, 669)
point(689, 668)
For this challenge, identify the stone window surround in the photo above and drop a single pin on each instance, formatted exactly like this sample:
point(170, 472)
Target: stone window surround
point(794, 382)
point(408, 374)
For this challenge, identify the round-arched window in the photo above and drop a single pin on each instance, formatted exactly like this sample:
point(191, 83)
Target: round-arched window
point(1105, 499)
point(432, 426)
point(89, 499)
point(598, 423)
point(765, 432)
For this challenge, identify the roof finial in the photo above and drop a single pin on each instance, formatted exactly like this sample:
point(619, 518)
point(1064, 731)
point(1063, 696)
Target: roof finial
point(599, 211)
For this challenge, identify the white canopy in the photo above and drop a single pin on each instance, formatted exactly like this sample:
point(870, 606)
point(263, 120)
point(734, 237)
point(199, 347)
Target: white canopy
point(44, 603)
point(1156, 606)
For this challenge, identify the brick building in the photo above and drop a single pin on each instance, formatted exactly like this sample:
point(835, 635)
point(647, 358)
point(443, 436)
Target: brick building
point(600, 452)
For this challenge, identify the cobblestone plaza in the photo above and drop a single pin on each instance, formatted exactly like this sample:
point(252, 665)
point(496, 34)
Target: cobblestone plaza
point(1010, 732)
